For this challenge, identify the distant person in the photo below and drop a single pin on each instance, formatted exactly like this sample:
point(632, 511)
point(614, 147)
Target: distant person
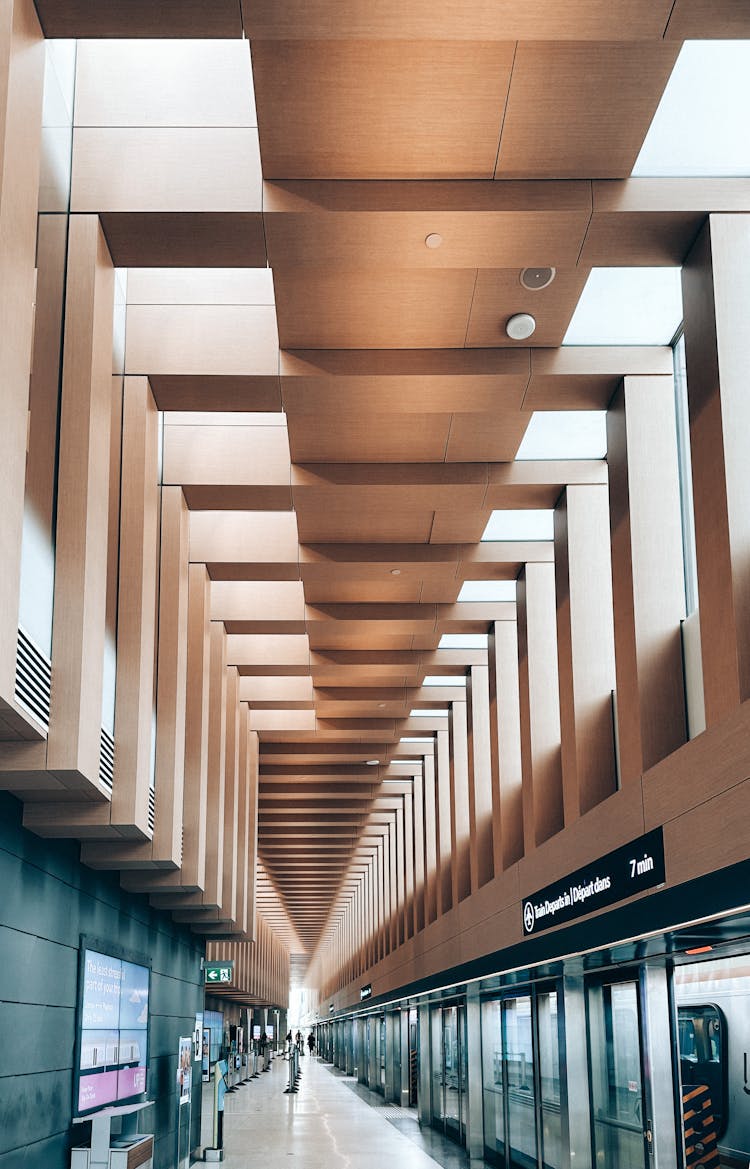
point(311, 1043)
point(298, 1041)
point(288, 1042)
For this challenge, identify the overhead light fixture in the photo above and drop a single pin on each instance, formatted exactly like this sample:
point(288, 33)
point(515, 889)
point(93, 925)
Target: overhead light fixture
point(520, 326)
point(381, 705)
point(537, 278)
point(395, 572)
point(433, 240)
point(373, 762)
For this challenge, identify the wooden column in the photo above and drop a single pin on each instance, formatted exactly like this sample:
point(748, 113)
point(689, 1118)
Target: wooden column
point(136, 621)
point(420, 871)
point(460, 822)
point(505, 744)
point(217, 715)
point(716, 297)
point(21, 82)
point(171, 692)
point(253, 749)
point(480, 776)
point(430, 838)
point(585, 648)
point(647, 567)
point(444, 831)
point(82, 509)
point(408, 814)
point(539, 705)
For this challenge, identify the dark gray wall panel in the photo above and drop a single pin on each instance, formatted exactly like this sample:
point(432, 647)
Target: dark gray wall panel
point(49, 900)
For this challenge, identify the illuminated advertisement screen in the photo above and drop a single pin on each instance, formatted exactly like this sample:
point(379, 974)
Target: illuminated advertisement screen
point(113, 1042)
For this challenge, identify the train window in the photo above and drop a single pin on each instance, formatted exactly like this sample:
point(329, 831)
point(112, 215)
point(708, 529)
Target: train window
point(703, 1056)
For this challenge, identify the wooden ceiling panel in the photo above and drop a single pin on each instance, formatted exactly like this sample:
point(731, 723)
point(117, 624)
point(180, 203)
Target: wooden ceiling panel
point(130, 169)
point(343, 591)
point(190, 239)
point(626, 240)
point(220, 456)
point(451, 525)
point(380, 109)
point(709, 19)
point(327, 637)
point(252, 537)
point(220, 394)
point(377, 225)
point(581, 110)
point(492, 437)
point(586, 377)
point(374, 310)
point(481, 20)
point(499, 295)
point(407, 525)
point(373, 438)
point(140, 18)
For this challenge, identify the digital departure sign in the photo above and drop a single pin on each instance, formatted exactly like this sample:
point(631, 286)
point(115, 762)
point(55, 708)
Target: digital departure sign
point(113, 1033)
point(616, 876)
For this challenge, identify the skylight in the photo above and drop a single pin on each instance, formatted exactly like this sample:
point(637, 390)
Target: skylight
point(565, 434)
point(463, 641)
point(627, 306)
point(488, 590)
point(417, 739)
point(700, 126)
point(520, 525)
point(445, 680)
point(428, 713)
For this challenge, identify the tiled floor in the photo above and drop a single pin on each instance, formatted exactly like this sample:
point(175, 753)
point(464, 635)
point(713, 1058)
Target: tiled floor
point(331, 1123)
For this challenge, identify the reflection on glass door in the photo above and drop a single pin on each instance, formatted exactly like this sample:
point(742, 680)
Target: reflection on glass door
point(615, 1075)
point(549, 1079)
point(449, 1071)
point(519, 1058)
point(493, 1089)
point(521, 1081)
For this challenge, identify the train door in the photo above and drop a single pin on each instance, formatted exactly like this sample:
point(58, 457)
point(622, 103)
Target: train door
point(620, 1133)
point(413, 1059)
point(521, 1081)
point(449, 1071)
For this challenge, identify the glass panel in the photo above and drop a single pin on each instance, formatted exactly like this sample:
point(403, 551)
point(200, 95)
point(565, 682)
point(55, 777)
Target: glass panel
point(713, 1014)
point(615, 1074)
point(452, 1063)
point(519, 1062)
point(382, 1055)
point(549, 1080)
point(436, 1065)
point(492, 1082)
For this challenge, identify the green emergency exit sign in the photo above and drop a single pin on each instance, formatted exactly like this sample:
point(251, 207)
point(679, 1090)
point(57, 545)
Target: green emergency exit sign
point(219, 973)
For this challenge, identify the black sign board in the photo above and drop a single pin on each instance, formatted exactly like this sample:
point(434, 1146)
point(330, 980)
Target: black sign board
point(331, 1009)
point(365, 992)
point(628, 870)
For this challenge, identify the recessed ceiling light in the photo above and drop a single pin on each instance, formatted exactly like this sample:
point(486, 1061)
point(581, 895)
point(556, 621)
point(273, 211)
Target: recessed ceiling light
point(373, 762)
point(536, 278)
point(433, 240)
point(520, 326)
point(381, 705)
point(395, 572)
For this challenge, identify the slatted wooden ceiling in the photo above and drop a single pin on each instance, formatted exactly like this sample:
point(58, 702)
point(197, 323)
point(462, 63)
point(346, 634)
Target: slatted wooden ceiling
point(338, 536)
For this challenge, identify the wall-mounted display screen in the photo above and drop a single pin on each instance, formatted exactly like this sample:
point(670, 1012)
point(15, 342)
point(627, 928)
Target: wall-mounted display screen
point(113, 1038)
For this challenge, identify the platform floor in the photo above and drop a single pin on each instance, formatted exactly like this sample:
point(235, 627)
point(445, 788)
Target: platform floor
point(331, 1123)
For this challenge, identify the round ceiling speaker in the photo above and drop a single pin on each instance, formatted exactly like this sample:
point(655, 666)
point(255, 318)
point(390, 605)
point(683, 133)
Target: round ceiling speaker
point(520, 326)
point(536, 278)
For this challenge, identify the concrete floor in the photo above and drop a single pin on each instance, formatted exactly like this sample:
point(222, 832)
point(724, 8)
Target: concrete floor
point(331, 1123)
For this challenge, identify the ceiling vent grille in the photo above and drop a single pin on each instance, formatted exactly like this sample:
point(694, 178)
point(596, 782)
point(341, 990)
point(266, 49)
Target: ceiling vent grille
point(33, 679)
point(106, 762)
